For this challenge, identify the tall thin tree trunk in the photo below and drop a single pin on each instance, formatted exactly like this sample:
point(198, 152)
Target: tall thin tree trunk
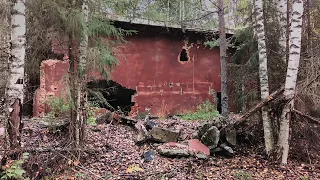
point(4, 59)
point(223, 60)
point(72, 84)
point(291, 78)
point(14, 88)
point(283, 20)
point(82, 75)
point(263, 74)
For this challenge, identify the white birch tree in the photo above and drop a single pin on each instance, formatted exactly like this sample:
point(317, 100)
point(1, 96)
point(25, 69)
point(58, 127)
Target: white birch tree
point(263, 73)
point(282, 8)
point(291, 78)
point(14, 87)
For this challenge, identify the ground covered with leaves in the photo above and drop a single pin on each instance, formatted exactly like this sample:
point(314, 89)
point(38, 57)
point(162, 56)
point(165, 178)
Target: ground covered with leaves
point(116, 156)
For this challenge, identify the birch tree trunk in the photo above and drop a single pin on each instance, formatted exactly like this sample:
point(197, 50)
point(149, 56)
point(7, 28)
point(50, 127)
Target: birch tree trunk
point(291, 78)
point(283, 20)
point(223, 60)
point(14, 87)
point(263, 73)
point(82, 76)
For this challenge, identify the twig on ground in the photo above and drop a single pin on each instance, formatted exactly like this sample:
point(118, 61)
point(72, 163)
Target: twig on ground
point(307, 116)
point(43, 150)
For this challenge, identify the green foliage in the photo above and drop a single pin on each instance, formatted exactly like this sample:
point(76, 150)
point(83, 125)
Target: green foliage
point(15, 171)
point(242, 175)
point(91, 116)
point(212, 44)
point(59, 107)
point(206, 110)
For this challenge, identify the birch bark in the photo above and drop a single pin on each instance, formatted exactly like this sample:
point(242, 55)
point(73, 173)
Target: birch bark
point(291, 78)
point(282, 7)
point(14, 87)
point(263, 73)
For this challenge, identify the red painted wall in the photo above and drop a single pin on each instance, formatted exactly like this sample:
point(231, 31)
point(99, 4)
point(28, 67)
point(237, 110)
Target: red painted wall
point(163, 83)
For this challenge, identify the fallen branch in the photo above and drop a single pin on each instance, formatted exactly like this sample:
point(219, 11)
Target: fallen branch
point(10, 152)
point(307, 116)
point(259, 105)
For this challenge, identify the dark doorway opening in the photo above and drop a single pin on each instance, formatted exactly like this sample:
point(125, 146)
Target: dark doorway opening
point(219, 102)
point(184, 55)
point(110, 95)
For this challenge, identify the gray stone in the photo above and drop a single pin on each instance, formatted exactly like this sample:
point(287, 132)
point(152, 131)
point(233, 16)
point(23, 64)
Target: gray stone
point(226, 150)
point(105, 118)
point(231, 137)
point(164, 135)
point(141, 138)
point(174, 152)
point(201, 156)
point(195, 135)
point(203, 128)
point(211, 137)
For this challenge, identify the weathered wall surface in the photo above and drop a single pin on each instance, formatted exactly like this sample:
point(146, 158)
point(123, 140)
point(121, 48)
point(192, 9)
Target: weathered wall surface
point(164, 84)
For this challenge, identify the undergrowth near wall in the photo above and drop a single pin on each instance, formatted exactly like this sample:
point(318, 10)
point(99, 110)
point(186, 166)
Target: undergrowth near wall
point(205, 111)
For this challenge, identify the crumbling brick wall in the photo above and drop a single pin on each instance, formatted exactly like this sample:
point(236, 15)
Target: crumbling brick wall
point(53, 79)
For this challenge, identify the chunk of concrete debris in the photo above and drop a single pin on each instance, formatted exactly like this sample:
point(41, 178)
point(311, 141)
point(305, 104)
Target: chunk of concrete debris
point(231, 137)
point(203, 128)
point(211, 137)
point(196, 146)
point(143, 134)
point(192, 148)
point(141, 138)
point(164, 135)
point(150, 124)
point(176, 153)
point(223, 150)
point(227, 151)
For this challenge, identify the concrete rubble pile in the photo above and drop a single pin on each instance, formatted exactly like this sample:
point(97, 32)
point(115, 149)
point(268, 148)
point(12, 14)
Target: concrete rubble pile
point(210, 138)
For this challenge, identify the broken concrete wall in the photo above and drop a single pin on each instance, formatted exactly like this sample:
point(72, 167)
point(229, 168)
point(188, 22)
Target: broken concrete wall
point(53, 76)
point(164, 84)
point(172, 72)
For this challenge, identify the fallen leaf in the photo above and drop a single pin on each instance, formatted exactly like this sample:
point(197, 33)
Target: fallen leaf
point(134, 168)
point(76, 163)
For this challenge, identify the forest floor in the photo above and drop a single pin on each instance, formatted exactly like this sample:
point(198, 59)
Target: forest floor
point(118, 157)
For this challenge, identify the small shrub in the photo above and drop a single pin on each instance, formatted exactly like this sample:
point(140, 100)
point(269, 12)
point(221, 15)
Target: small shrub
point(58, 107)
point(91, 116)
point(15, 171)
point(206, 110)
point(242, 175)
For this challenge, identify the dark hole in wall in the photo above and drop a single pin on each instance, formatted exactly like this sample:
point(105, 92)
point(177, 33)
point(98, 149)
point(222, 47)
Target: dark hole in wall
point(184, 55)
point(219, 102)
point(114, 93)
